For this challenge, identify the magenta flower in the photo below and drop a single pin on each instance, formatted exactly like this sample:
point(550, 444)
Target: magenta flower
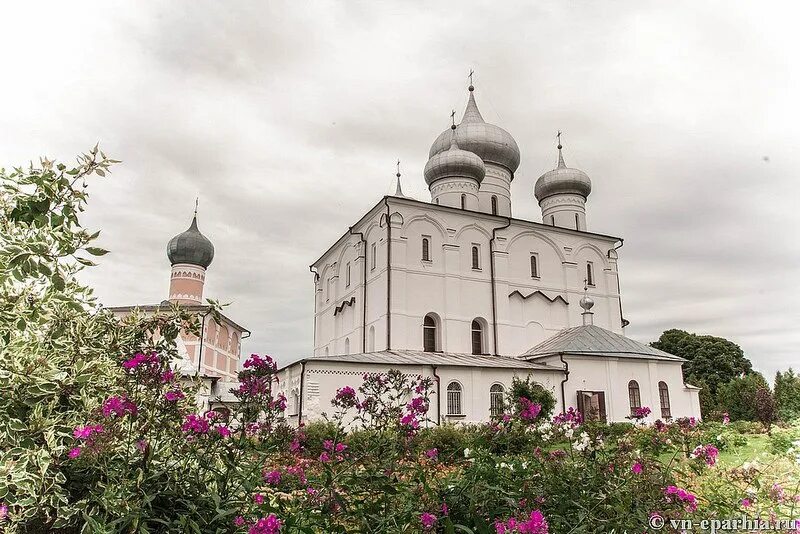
point(676, 494)
point(428, 520)
point(266, 525)
point(530, 410)
point(747, 503)
point(708, 453)
point(167, 376)
point(223, 431)
point(637, 468)
point(141, 360)
point(3, 511)
point(534, 524)
point(194, 424)
point(641, 412)
point(74, 452)
point(85, 432)
point(295, 445)
point(345, 398)
point(239, 521)
point(119, 406)
point(410, 420)
point(324, 457)
point(418, 405)
point(432, 453)
point(273, 478)
point(174, 395)
point(258, 498)
point(444, 509)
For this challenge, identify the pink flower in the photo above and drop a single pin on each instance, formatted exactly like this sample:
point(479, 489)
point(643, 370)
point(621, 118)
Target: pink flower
point(530, 410)
point(224, 431)
point(345, 397)
point(418, 405)
point(74, 452)
point(118, 406)
point(707, 453)
point(85, 432)
point(174, 395)
point(534, 524)
point(195, 424)
point(140, 359)
point(641, 412)
point(258, 498)
point(327, 445)
point(444, 509)
point(432, 453)
point(239, 521)
point(637, 468)
point(673, 493)
point(410, 420)
point(141, 445)
point(747, 503)
point(266, 525)
point(341, 447)
point(273, 477)
point(324, 457)
point(167, 376)
point(726, 419)
point(427, 520)
point(3, 511)
point(295, 445)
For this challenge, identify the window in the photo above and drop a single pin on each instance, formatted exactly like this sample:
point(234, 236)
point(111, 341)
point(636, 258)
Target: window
point(328, 290)
point(589, 273)
point(463, 202)
point(534, 266)
point(577, 222)
point(454, 399)
point(494, 205)
point(295, 402)
point(429, 334)
point(374, 256)
point(437, 201)
point(663, 395)
point(426, 249)
point(347, 345)
point(496, 403)
point(347, 276)
point(552, 220)
point(371, 342)
point(476, 257)
point(477, 337)
point(634, 398)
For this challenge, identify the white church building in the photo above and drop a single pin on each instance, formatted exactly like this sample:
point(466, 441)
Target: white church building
point(459, 290)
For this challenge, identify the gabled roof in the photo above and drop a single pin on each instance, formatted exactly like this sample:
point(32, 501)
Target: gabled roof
point(443, 359)
point(591, 340)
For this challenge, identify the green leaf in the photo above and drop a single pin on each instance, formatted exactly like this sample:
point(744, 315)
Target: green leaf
point(94, 251)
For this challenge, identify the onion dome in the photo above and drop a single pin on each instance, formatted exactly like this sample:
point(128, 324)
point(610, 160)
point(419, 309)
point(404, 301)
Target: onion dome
point(191, 247)
point(491, 143)
point(454, 163)
point(562, 180)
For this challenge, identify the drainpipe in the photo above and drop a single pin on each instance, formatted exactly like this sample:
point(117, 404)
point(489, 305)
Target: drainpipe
point(364, 291)
point(388, 276)
point(302, 394)
point(625, 322)
point(491, 275)
point(566, 377)
point(314, 326)
point(438, 397)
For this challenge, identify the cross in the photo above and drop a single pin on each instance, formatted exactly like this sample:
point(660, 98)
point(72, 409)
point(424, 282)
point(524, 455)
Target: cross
point(196, 202)
point(558, 136)
point(398, 168)
point(585, 285)
point(453, 117)
point(471, 72)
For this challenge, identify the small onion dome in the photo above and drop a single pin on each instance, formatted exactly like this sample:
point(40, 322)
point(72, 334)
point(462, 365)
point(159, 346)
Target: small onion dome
point(191, 247)
point(454, 163)
point(491, 143)
point(562, 180)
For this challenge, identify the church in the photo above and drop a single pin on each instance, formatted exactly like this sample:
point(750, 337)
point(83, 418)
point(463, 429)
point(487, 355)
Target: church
point(459, 290)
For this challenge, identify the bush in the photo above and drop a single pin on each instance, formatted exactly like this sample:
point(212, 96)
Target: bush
point(738, 397)
point(534, 392)
point(317, 432)
point(448, 438)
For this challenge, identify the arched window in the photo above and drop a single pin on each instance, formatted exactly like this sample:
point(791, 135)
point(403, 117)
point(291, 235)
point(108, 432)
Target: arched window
point(552, 220)
point(663, 396)
point(494, 205)
point(589, 273)
point(477, 337)
point(476, 258)
point(371, 340)
point(634, 399)
point(295, 402)
point(426, 249)
point(534, 266)
point(577, 222)
point(437, 201)
point(454, 399)
point(429, 334)
point(347, 345)
point(463, 202)
point(347, 276)
point(496, 402)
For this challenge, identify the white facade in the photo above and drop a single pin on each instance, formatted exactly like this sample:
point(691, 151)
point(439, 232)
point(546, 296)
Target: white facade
point(422, 286)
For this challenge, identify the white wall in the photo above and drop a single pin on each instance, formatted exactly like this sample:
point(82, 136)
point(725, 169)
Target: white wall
point(322, 379)
point(449, 286)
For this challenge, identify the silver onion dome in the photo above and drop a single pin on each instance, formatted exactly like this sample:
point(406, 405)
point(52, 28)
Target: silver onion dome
point(491, 143)
point(454, 163)
point(562, 180)
point(191, 247)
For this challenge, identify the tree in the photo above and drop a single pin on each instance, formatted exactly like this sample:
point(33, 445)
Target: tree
point(715, 360)
point(787, 394)
point(738, 396)
point(766, 409)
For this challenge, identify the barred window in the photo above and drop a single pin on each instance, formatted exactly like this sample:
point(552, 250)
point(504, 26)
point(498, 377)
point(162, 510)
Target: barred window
point(663, 395)
point(429, 334)
point(534, 266)
point(494, 205)
point(589, 273)
point(496, 402)
point(454, 399)
point(426, 249)
point(634, 397)
point(476, 257)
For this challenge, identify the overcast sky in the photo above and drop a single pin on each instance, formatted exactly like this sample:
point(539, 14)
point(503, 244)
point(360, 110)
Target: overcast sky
point(286, 119)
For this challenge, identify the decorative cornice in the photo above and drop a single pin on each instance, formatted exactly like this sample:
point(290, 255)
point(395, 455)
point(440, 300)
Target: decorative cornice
point(537, 292)
point(338, 309)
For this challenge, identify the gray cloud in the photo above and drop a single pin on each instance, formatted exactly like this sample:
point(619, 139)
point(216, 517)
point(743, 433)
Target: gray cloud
point(286, 120)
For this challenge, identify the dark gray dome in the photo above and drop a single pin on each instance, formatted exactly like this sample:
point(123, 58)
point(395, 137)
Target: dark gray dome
point(191, 247)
